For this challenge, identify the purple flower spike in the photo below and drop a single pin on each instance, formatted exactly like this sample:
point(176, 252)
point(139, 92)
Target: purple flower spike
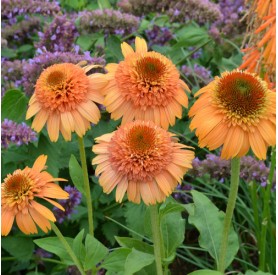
point(69, 204)
point(18, 134)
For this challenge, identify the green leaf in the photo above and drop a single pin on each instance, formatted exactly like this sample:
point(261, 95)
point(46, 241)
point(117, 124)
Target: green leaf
point(136, 260)
point(95, 252)
point(250, 272)
point(104, 4)
point(14, 105)
point(170, 207)
point(113, 45)
point(133, 243)
point(76, 174)
point(54, 245)
point(115, 261)
point(25, 48)
point(172, 226)
point(88, 40)
point(7, 52)
point(21, 248)
point(78, 247)
point(209, 221)
point(134, 215)
point(190, 35)
point(110, 229)
point(205, 272)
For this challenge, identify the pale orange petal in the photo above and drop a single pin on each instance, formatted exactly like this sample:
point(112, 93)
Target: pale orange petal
point(126, 49)
point(140, 45)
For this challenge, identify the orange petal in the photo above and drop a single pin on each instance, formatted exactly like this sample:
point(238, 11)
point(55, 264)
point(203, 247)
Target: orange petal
point(126, 49)
point(121, 189)
point(140, 45)
point(7, 219)
point(40, 162)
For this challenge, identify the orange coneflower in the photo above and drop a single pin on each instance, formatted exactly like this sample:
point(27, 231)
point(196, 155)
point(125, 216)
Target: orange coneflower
point(18, 193)
point(142, 159)
point(145, 86)
point(64, 99)
point(236, 110)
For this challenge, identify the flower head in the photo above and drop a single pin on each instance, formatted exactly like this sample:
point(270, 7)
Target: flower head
point(236, 110)
point(64, 99)
point(144, 86)
point(35, 66)
point(19, 192)
point(142, 159)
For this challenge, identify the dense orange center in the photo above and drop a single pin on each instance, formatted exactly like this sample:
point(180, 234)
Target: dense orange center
point(140, 140)
point(17, 188)
point(241, 96)
point(148, 79)
point(140, 150)
point(62, 87)
point(56, 78)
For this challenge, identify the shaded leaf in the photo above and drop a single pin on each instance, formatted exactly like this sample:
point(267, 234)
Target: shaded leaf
point(136, 260)
point(76, 174)
point(21, 248)
point(115, 261)
point(54, 245)
point(95, 252)
point(14, 105)
point(205, 272)
point(133, 243)
point(78, 247)
point(209, 221)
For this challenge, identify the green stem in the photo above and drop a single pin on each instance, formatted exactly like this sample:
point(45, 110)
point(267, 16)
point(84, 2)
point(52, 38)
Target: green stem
point(266, 218)
point(157, 242)
point(86, 185)
point(68, 248)
point(254, 200)
point(235, 169)
point(195, 50)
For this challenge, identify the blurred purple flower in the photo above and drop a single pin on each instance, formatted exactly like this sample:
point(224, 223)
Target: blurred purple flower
point(111, 21)
point(21, 31)
point(196, 54)
point(201, 11)
point(219, 169)
point(59, 35)
point(12, 72)
point(69, 204)
point(158, 35)
point(231, 22)
point(181, 196)
point(11, 8)
point(18, 134)
point(203, 74)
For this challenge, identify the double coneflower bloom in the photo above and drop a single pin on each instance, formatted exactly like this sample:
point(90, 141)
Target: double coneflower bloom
point(64, 99)
point(238, 111)
point(20, 195)
point(144, 86)
point(142, 159)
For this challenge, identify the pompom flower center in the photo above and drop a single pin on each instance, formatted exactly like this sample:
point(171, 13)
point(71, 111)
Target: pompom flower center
point(150, 80)
point(150, 70)
point(62, 87)
point(140, 140)
point(56, 78)
point(17, 188)
point(241, 96)
point(140, 151)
